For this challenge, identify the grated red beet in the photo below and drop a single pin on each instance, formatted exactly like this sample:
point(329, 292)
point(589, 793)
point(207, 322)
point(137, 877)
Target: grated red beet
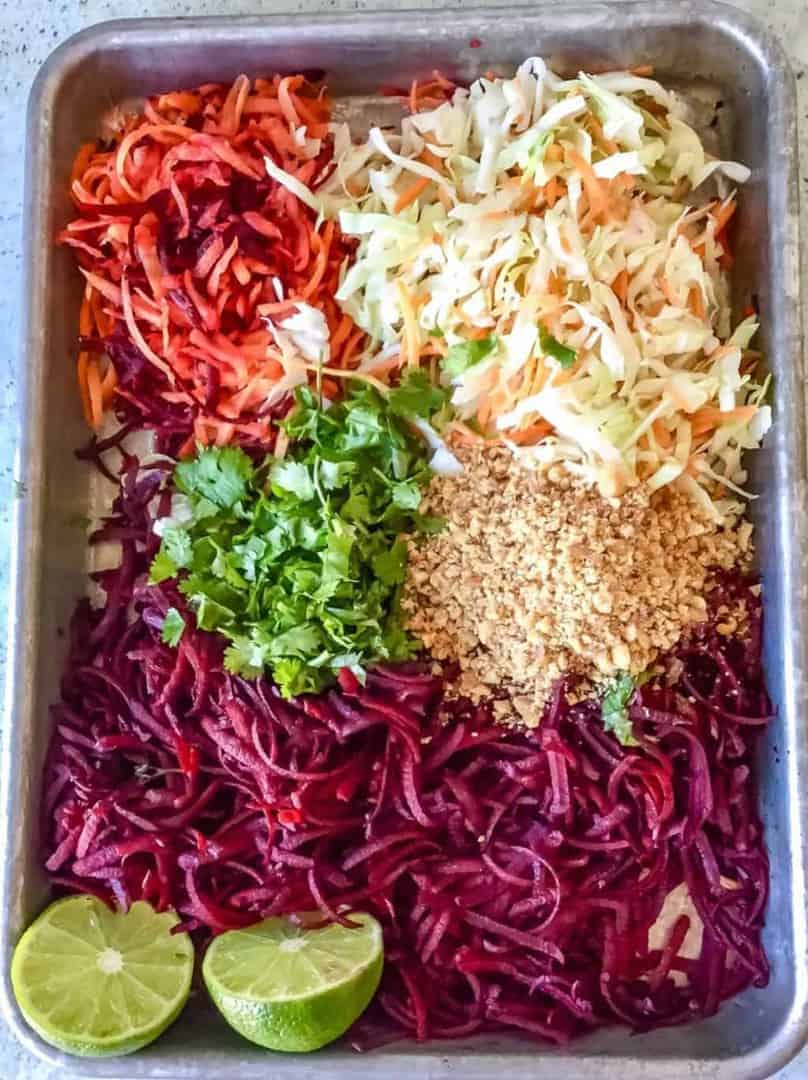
point(516, 874)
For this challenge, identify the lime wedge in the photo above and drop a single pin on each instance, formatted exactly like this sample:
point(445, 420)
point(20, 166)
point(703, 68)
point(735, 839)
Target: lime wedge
point(95, 982)
point(294, 989)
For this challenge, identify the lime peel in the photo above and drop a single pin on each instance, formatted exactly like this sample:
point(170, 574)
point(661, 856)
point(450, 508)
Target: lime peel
point(291, 988)
point(99, 983)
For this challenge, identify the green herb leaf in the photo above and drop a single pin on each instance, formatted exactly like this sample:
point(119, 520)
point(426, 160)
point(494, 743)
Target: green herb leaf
point(219, 475)
point(407, 495)
point(173, 627)
point(176, 544)
point(162, 568)
point(356, 507)
point(243, 657)
point(210, 614)
point(299, 563)
point(552, 347)
point(614, 709)
point(416, 395)
point(390, 567)
point(466, 354)
point(292, 478)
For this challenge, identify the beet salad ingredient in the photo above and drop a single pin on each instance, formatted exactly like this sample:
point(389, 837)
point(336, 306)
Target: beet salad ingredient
point(298, 561)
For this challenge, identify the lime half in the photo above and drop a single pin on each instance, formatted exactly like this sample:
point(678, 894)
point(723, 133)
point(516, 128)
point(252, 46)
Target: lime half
point(294, 989)
point(95, 982)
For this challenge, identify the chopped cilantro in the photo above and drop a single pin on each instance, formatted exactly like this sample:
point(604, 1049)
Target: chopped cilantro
point(552, 347)
point(417, 395)
point(299, 563)
point(177, 545)
point(217, 475)
point(614, 709)
point(173, 627)
point(162, 567)
point(466, 354)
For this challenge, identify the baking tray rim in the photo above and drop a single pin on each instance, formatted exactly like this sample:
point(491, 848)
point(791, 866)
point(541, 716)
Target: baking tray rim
point(27, 512)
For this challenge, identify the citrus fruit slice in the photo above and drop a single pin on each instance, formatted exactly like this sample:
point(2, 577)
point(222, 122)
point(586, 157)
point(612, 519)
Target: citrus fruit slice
point(95, 982)
point(292, 988)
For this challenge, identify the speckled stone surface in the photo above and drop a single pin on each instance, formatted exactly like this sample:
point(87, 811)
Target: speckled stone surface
point(29, 31)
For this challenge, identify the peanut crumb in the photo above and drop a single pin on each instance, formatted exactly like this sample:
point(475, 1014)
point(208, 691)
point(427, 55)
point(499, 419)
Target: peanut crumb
point(537, 576)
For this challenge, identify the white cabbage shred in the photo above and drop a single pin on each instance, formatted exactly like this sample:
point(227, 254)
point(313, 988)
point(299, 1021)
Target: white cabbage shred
point(558, 221)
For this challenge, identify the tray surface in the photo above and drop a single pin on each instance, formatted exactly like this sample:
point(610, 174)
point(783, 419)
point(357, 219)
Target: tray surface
point(706, 50)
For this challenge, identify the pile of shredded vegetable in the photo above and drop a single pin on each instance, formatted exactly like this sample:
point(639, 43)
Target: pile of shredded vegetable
point(544, 882)
point(551, 247)
point(209, 285)
point(531, 265)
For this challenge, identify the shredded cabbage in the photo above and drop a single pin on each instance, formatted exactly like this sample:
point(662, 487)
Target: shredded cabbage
point(303, 343)
point(552, 217)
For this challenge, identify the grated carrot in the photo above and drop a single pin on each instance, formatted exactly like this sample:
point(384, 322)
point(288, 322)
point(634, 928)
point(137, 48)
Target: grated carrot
point(663, 437)
point(323, 245)
point(596, 191)
point(81, 376)
point(708, 418)
point(596, 129)
point(82, 160)
point(620, 287)
point(695, 301)
point(109, 384)
point(722, 217)
point(352, 346)
point(410, 194)
point(553, 191)
point(413, 98)
point(233, 107)
point(228, 260)
point(94, 393)
point(411, 345)
point(533, 434)
point(341, 335)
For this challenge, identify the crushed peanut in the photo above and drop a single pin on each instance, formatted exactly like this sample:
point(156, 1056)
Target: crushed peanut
point(537, 576)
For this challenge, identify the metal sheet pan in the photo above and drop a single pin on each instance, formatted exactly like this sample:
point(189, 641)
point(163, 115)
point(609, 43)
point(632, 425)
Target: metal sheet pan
point(700, 46)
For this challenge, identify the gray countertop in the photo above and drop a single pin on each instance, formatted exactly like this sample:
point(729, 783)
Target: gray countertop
point(29, 31)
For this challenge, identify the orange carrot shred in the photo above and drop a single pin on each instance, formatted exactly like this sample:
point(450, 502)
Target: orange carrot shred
point(708, 418)
point(663, 437)
point(195, 312)
point(620, 286)
point(695, 302)
point(593, 186)
point(81, 161)
point(410, 194)
point(553, 191)
point(95, 393)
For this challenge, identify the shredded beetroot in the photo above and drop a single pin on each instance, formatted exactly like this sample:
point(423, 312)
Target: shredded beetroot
point(516, 875)
point(183, 238)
